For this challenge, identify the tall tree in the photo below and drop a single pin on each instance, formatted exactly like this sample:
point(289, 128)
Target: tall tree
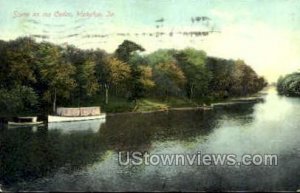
point(141, 81)
point(192, 62)
point(113, 74)
point(85, 76)
point(56, 72)
point(18, 62)
point(169, 79)
point(125, 50)
point(222, 71)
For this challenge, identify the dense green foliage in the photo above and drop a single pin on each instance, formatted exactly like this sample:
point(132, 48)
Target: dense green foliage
point(18, 99)
point(289, 85)
point(36, 75)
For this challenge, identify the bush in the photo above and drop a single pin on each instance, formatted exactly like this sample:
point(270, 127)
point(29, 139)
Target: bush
point(21, 99)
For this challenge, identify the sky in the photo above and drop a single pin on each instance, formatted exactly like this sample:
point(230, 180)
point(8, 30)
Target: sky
point(263, 33)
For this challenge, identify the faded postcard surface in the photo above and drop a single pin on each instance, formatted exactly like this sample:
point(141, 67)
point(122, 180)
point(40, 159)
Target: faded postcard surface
point(149, 95)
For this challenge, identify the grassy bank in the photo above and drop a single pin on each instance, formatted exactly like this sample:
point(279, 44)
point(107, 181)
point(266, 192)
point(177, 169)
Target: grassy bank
point(117, 105)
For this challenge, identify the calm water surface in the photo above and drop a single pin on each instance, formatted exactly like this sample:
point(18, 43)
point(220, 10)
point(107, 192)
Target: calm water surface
point(84, 156)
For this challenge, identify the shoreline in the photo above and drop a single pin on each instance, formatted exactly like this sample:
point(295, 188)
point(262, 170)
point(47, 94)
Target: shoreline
point(212, 106)
point(257, 97)
point(162, 110)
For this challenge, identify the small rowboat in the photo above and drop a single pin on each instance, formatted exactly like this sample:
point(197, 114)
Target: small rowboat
point(24, 124)
point(25, 121)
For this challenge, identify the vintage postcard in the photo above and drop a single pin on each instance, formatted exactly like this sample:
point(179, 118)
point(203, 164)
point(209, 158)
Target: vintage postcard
point(149, 95)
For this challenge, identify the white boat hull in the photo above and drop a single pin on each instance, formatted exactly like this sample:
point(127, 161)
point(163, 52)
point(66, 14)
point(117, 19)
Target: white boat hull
point(24, 123)
point(52, 119)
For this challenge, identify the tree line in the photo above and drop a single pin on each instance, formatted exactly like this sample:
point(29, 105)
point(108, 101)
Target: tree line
point(38, 76)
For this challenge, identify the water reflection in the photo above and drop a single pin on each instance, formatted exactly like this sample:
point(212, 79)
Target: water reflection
point(27, 154)
point(60, 159)
point(77, 126)
point(138, 131)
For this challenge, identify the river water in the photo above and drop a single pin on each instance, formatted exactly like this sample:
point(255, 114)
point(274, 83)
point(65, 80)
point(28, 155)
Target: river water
point(84, 157)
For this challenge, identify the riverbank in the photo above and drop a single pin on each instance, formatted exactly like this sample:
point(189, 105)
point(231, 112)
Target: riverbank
point(119, 105)
point(149, 105)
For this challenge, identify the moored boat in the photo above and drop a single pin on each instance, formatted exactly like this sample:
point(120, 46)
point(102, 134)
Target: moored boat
point(76, 114)
point(52, 118)
point(25, 121)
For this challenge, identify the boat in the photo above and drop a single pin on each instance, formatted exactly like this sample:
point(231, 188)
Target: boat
point(64, 114)
point(25, 121)
point(52, 118)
